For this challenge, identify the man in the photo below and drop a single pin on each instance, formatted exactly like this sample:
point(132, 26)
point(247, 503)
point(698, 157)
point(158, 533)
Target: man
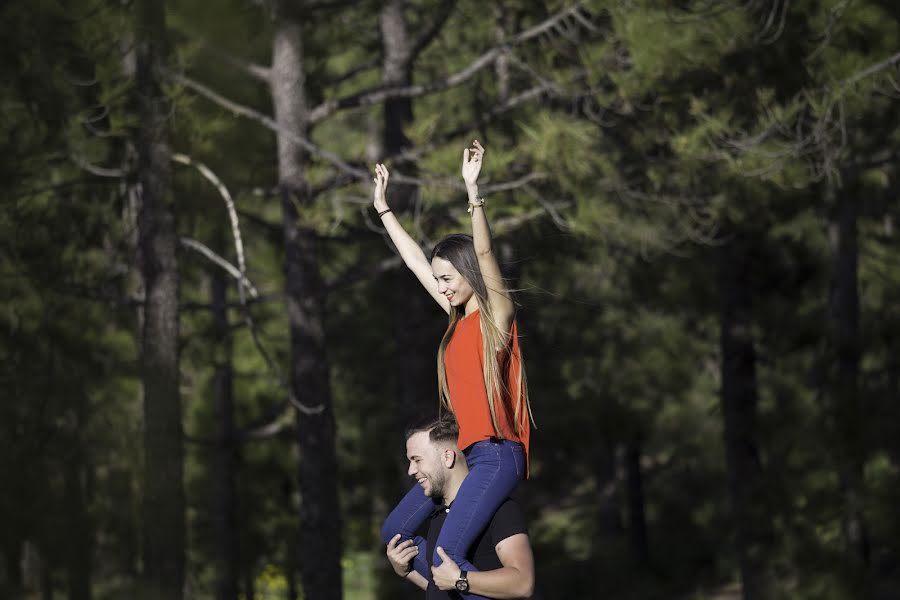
point(502, 553)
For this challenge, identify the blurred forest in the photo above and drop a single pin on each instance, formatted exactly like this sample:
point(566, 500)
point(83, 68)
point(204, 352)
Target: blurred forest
point(210, 351)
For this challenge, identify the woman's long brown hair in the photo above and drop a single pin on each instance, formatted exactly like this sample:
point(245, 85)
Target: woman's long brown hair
point(459, 250)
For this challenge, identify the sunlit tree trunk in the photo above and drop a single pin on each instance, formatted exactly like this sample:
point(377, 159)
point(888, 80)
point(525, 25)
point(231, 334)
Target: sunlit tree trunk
point(319, 549)
point(163, 511)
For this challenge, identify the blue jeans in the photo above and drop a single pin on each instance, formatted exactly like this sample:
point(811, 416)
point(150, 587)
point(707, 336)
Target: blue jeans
point(495, 468)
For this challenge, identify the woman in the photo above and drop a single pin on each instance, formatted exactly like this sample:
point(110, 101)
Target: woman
point(479, 352)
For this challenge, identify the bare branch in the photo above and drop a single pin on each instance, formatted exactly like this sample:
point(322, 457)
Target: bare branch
point(278, 421)
point(380, 94)
point(872, 70)
point(442, 13)
point(229, 205)
point(814, 129)
point(417, 152)
point(239, 274)
point(217, 259)
point(506, 186)
point(354, 71)
point(268, 123)
point(256, 71)
point(97, 170)
point(330, 157)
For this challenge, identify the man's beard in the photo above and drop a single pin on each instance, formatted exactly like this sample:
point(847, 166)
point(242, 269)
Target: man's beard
point(438, 483)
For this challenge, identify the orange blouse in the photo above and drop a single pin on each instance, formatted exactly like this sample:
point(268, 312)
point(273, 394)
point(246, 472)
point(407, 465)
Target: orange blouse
point(464, 363)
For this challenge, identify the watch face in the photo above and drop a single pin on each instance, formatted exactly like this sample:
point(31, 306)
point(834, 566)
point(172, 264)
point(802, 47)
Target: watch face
point(462, 585)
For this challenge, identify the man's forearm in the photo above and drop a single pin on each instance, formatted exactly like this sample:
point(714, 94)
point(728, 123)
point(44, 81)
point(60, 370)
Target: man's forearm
point(506, 582)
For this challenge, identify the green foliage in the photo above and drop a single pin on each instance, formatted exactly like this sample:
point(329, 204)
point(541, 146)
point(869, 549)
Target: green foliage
point(673, 126)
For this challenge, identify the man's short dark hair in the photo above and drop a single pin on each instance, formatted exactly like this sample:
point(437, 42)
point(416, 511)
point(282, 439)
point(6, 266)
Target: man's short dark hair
point(442, 429)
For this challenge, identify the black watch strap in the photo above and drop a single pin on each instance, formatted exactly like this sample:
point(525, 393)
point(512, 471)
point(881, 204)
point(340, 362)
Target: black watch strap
point(462, 584)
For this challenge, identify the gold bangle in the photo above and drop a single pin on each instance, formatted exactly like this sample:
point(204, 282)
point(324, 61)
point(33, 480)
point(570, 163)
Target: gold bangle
point(473, 204)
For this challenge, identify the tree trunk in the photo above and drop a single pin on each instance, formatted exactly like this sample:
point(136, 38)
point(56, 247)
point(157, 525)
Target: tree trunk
point(46, 579)
point(225, 498)
point(249, 585)
point(752, 528)
point(79, 542)
point(163, 511)
point(844, 330)
point(124, 523)
point(637, 520)
point(609, 511)
point(501, 67)
point(12, 557)
point(319, 549)
point(412, 308)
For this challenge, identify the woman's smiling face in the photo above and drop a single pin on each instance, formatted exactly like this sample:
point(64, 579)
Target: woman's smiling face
point(450, 283)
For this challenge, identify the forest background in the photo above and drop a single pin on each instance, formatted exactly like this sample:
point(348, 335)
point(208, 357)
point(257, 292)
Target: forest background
point(210, 351)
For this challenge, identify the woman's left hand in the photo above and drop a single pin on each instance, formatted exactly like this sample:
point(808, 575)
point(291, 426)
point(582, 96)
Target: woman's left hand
point(471, 166)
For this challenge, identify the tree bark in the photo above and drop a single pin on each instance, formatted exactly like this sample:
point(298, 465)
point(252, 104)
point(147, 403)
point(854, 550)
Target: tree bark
point(163, 509)
point(845, 335)
point(412, 308)
point(79, 542)
point(637, 519)
point(249, 585)
point(225, 498)
point(752, 528)
point(319, 549)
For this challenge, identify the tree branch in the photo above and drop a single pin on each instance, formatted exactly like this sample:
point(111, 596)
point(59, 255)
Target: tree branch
point(268, 123)
point(416, 153)
point(97, 170)
point(239, 274)
point(442, 14)
point(380, 94)
point(201, 248)
point(256, 71)
point(872, 70)
point(330, 157)
point(207, 173)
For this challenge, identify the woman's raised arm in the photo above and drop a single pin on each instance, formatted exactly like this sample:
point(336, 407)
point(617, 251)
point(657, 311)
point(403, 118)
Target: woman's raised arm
point(409, 250)
point(501, 303)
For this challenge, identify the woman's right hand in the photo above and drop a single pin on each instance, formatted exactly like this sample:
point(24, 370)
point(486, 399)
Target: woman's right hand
point(381, 179)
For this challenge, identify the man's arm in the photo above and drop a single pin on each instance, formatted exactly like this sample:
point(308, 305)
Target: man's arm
point(515, 579)
point(401, 556)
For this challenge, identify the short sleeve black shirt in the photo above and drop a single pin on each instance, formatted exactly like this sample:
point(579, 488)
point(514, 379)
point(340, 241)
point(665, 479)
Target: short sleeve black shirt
point(507, 522)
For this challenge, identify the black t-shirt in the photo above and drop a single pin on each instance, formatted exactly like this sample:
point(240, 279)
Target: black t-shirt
point(507, 522)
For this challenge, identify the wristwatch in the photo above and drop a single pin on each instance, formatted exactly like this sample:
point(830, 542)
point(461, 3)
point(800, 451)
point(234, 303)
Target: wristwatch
point(462, 584)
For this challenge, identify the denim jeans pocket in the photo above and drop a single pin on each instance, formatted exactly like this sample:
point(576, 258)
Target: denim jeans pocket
point(519, 458)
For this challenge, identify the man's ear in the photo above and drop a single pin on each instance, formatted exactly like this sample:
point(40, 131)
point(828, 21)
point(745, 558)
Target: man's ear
point(449, 456)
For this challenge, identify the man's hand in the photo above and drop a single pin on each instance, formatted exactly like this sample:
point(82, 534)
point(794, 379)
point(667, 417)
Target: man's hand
point(445, 576)
point(401, 555)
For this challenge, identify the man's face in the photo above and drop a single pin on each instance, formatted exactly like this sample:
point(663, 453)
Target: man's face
point(426, 464)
